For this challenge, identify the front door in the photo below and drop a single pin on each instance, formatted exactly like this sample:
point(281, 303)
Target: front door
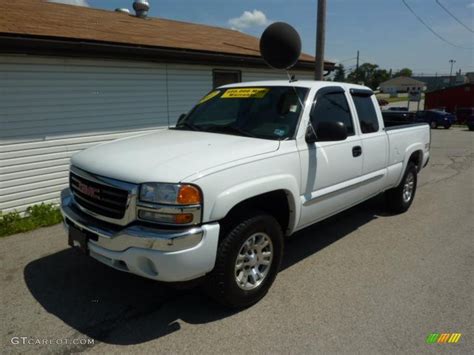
point(330, 170)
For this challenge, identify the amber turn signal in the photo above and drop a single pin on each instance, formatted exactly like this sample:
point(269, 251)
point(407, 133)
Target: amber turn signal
point(183, 218)
point(188, 195)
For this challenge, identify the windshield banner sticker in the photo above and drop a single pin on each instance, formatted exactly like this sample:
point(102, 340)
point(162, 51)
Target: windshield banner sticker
point(209, 96)
point(245, 93)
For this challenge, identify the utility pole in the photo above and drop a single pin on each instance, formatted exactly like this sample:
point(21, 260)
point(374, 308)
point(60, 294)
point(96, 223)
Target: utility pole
point(320, 39)
point(452, 61)
point(357, 64)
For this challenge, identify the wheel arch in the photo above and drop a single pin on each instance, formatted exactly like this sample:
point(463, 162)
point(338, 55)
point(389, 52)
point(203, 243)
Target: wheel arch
point(277, 196)
point(416, 157)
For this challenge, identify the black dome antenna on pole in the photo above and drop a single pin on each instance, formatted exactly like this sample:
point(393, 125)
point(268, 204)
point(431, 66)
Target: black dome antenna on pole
point(280, 46)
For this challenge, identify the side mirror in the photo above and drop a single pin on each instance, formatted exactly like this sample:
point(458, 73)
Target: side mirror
point(331, 131)
point(181, 117)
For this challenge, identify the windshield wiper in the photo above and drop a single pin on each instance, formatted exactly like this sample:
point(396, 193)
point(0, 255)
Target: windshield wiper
point(188, 125)
point(230, 129)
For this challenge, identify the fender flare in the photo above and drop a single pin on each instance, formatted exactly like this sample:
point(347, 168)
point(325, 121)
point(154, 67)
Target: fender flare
point(231, 197)
point(408, 153)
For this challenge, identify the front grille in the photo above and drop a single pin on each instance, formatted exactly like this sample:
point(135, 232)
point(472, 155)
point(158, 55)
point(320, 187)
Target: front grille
point(99, 198)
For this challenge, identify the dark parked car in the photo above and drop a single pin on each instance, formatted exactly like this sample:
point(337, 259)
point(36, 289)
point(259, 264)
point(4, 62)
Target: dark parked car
point(435, 118)
point(463, 114)
point(398, 108)
point(470, 122)
point(397, 118)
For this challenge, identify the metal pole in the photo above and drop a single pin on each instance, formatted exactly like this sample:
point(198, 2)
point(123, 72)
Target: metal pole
point(357, 64)
point(320, 39)
point(452, 61)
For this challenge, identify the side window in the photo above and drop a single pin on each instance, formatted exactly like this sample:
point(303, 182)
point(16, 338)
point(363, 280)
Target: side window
point(369, 122)
point(332, 107)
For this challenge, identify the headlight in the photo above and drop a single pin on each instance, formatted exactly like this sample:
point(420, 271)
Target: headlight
point(175, 204)
point(172, 194)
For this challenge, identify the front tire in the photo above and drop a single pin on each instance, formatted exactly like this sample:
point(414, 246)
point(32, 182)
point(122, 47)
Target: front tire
point(247, 262)
point(400, 198)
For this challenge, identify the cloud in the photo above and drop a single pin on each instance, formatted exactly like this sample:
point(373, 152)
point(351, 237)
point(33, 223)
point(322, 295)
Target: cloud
point(72, 2)
point(470, 6)
point(249, 19)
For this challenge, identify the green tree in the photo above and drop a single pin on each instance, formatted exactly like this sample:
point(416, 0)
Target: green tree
point(363, 73)
point(403, 72)
point(369, 74)
point(379, 76)
point(340, 73)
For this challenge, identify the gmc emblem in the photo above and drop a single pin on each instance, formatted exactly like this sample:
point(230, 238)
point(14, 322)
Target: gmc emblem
point(90, 191)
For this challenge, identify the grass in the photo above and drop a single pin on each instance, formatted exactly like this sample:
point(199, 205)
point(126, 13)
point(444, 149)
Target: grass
point(400, 97)
point(37, 216)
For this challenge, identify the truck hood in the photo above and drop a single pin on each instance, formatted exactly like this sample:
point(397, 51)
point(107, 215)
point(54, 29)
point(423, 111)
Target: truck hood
point(168, 155)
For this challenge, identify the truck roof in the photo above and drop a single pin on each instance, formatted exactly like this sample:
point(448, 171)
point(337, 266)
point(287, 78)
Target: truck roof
point(298, 83)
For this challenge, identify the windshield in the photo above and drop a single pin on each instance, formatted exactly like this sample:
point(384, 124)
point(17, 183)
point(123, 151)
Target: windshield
point(262, 112)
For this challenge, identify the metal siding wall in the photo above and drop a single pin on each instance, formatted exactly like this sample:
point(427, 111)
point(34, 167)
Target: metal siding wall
point(51, 108)
point(186, 86)
point(273, 74)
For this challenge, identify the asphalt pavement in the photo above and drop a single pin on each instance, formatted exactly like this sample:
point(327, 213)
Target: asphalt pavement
point(361, 282)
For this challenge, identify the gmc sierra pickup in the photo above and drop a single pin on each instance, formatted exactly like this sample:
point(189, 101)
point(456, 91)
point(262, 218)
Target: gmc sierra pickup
point(213, 197)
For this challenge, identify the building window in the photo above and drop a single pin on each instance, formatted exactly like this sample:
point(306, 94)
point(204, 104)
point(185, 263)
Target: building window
point(224, 77)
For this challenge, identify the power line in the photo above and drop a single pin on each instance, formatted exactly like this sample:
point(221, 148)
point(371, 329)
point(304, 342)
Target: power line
point(347, 60)
point(454, 17)
point(430, 29)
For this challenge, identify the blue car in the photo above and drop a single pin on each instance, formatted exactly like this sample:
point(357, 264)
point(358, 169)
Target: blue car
point(435, 118)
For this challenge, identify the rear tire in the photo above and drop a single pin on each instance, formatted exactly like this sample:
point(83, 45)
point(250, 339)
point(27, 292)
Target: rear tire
point(248, 260)
point(434, 124)
point(400, 198)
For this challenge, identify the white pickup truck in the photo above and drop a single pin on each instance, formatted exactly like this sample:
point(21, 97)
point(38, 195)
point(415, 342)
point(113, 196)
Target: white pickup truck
point(214, 197)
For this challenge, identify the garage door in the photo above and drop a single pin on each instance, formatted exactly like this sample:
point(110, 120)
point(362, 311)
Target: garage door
point(51, 108)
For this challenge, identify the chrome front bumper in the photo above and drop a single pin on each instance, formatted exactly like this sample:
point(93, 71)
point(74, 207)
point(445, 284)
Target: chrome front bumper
point(161, 254)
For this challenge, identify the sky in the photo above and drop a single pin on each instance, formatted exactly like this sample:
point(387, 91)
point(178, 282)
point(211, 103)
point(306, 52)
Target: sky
point(384, 31)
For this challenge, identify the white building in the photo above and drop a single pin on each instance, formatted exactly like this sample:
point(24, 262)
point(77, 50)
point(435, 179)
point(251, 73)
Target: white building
point(402, 84)
point(72, 77)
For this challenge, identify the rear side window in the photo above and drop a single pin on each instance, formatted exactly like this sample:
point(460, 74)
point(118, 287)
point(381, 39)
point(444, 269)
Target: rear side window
point(369, 122)
point(332, 107)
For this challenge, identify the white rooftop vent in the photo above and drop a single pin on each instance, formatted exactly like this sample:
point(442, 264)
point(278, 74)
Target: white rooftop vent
point(122, 10)
point(141, 8)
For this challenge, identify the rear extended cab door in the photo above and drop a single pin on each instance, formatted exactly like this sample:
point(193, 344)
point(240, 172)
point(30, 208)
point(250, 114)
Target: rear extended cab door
point(375, 147)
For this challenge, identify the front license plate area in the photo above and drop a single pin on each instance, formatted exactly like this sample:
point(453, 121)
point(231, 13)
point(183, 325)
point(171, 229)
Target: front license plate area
point(78, 239)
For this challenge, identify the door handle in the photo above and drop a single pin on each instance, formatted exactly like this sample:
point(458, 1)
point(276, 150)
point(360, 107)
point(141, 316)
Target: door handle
point(356, 151)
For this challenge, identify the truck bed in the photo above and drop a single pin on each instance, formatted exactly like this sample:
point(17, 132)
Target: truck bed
point(391, 125)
